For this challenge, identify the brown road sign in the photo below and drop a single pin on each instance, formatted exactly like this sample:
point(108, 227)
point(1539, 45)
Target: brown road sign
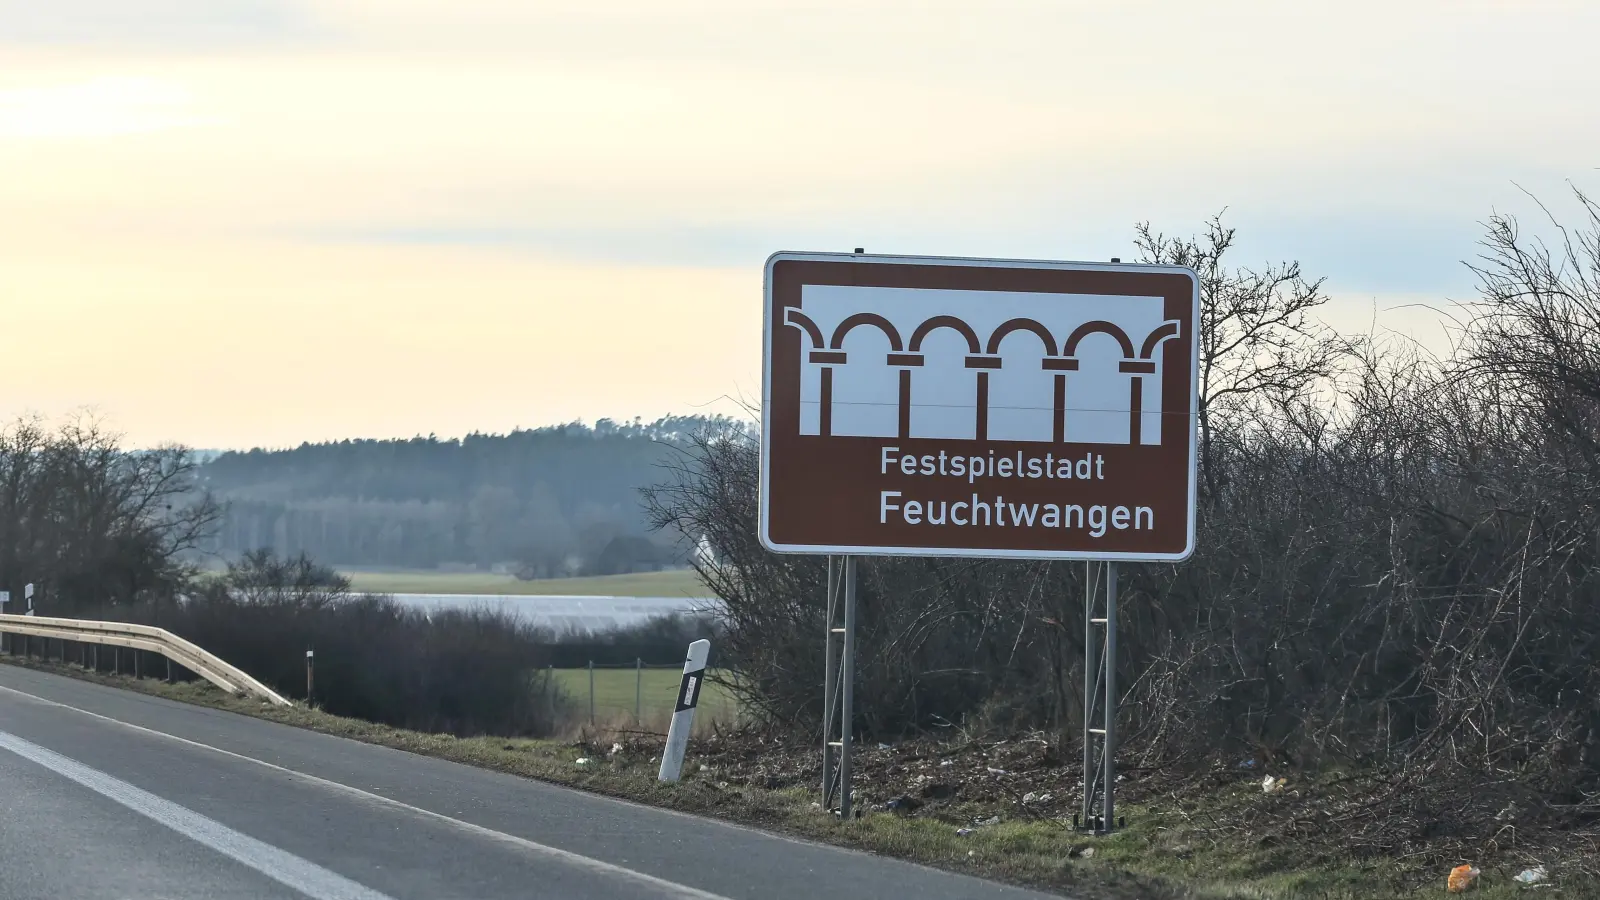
point(978, 407)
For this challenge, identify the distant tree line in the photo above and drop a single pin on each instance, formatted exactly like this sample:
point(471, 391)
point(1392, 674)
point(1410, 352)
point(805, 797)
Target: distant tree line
point(466, 671)
point(543, 502)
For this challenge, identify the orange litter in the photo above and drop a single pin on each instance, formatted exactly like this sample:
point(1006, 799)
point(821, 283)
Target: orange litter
point(1461, 878)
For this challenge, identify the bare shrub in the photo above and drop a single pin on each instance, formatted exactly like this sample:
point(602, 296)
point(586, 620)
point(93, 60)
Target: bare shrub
point(88, 522)
point(457, 671)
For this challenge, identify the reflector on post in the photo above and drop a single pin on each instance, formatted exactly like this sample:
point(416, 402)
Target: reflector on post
point(694, 676)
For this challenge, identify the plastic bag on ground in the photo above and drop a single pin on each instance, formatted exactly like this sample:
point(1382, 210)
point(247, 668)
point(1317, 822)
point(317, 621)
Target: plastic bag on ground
point(1533, 875)
point(1461, 878)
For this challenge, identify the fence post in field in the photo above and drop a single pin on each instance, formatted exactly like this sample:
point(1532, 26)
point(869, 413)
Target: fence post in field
point(591, 693)
point(694, 675)
point(638, 692)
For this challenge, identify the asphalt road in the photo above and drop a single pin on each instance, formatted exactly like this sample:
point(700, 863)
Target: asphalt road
point(117, 795)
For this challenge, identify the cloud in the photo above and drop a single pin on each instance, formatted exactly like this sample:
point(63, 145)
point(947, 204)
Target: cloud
point(1379, 250)
point(100, 107)
point(148, 23)
point(738, 245)
point(1359, 251)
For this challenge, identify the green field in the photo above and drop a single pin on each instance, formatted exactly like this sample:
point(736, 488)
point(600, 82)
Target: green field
point(676, 583)
point(614, 696)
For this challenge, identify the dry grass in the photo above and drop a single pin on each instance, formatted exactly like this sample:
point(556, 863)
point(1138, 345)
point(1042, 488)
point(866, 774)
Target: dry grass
point(1167, 851)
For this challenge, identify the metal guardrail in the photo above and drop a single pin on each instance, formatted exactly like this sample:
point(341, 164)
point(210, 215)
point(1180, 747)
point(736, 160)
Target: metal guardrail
point(143, 637)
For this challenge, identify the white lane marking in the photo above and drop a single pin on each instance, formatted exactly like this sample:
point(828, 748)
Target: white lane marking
point(285, 868)
point(672, 890)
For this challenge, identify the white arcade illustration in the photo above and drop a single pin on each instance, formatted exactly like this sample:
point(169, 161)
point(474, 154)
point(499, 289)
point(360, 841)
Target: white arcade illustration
point(902, 363)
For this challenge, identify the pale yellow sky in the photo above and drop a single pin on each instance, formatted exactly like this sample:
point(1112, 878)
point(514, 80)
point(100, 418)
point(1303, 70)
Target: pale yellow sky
point(241, 222)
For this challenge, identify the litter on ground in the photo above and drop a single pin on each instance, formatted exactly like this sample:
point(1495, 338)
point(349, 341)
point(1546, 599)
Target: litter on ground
point(1461, 878)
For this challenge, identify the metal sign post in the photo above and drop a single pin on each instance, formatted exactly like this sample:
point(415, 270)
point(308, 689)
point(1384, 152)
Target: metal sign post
point(830, 681)
point(1091, 684)
point(1099, 692)
point(839, 679)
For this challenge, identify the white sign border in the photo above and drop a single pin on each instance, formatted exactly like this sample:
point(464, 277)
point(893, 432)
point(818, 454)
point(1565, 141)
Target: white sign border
point(763, 497)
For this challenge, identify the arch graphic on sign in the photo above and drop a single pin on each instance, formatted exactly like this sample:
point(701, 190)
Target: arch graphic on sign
point(972, 412)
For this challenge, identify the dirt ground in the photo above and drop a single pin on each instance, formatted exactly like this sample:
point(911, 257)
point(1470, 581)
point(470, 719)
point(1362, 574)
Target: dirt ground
point(1215, 817)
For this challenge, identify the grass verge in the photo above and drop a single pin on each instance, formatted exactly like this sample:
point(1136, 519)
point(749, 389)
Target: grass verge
point(653, 693)
point(1165, 853)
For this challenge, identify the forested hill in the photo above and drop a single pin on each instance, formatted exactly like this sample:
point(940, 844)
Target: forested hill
point(555, 500)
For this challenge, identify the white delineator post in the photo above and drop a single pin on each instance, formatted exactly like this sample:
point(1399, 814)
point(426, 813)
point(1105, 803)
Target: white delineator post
point(694, 675)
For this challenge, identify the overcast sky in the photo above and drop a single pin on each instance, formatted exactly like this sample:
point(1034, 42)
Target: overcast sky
point(257, 222)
